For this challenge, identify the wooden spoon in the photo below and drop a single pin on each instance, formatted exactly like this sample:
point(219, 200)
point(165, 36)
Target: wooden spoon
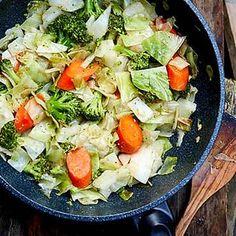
point(216, 172)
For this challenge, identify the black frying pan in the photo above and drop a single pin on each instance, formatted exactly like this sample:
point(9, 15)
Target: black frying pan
point(210, 107)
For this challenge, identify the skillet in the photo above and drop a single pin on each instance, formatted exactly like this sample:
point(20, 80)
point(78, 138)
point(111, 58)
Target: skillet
point(191, 155)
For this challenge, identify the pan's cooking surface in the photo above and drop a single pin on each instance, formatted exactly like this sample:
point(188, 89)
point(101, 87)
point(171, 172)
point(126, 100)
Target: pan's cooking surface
point(210, 100)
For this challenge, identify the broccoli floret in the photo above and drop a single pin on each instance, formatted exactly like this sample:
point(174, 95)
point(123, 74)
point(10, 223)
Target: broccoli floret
point(67, 146)
point(93, 110)
point(64, 106)
point(9, 136)
point(3, 88)
point(138, 61)
point(149, 97)
point(181, 94)
point(71, 28)
point(116, 22)
point(92, 8)
point(36, 6)
point(39, 167)
point(8, 70)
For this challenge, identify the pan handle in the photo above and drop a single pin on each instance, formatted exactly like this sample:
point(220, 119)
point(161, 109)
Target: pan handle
point(157, 222)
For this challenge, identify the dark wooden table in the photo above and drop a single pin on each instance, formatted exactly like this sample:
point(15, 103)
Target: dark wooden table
point(17, 219)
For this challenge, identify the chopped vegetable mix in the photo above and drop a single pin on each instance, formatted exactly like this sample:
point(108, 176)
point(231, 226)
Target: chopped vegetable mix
point(90, 94)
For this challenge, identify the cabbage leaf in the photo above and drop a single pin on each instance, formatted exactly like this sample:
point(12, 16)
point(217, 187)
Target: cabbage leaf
point(154, 81)
point(162, 46)
point(168, 166)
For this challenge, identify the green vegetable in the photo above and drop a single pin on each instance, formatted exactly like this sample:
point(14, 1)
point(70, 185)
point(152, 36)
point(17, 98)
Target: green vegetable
point(116, 22)
point(43, 131)
point(126, 88)
point(8, 136)
point(166, 144)
point(67, 146)
point(11, 34)
point(138, 61)
point(149, 97)
point(19, 159)
point(111, 181)
point(48, 183)
point(186, 108)
point(92, 8)
point(109, 162)
point(68, 5)
point(32, 23)
point(210, 72)
point(36, 6)
point(182, 94)
point(136, 37)
point(61, 175)
point(86, 196)
point(192, 59)
point(93, 110)
point(34, 67)
point(71, 28)
point(3, 88)
point(64, 106)
point(95, 164)
point(105, 80)
point(33, 147)
point(55, 154)
point(162, 46)
point(184, 124)
point(8, 70)
point(154, 81)
point(39, 167)
point(125, 194)
point(168, 166)
point(136, 22)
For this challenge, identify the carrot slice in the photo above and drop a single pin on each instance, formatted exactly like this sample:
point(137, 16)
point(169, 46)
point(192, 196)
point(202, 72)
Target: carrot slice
point(74, 68)
point(130, 135)
point(89, 71)
point(178, 79)
point(17, 66)
point(65, 82)
point(79, 166)
point(23, 121)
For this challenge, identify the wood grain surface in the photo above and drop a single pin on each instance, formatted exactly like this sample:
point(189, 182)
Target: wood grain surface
point(16, 219)
point(217, 216)
point(231, 11)
point(213, 175)
point(230, 31)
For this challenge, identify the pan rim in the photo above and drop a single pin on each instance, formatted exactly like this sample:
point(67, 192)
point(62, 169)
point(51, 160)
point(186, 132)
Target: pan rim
point(181, 184)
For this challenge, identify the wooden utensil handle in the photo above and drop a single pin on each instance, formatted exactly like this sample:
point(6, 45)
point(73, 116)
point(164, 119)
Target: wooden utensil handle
point(207, 183)
point(201, 196)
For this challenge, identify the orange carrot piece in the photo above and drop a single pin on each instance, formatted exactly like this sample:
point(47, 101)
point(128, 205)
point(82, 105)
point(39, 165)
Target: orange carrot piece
point(65, 82)
point(89, 71)
point(17, 66)
point(74, 70)
point(130, 135)
point(178, 79)
point(23, 121)
point(79, 166)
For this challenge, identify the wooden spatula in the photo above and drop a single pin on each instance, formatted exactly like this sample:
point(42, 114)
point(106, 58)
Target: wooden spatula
point(216, 172)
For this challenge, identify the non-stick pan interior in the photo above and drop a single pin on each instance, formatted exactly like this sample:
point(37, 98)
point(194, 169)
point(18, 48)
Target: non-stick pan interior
point(209, 106)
